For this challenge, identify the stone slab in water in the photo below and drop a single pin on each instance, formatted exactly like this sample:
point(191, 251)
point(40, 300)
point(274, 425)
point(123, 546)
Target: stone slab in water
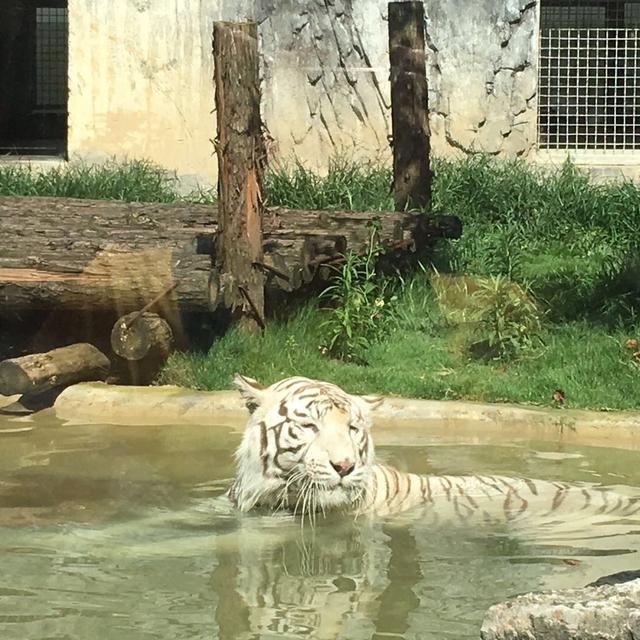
point(617, 578)
point(609, 612)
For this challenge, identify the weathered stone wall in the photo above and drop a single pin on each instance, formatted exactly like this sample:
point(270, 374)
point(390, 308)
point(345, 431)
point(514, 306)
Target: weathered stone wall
point(326, 78)
point(140, 78)
point(483, 75)
point(327, 73)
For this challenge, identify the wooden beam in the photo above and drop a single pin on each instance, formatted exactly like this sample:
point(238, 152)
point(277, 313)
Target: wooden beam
point(97, 255)
point(241, 161)
point(409, 107)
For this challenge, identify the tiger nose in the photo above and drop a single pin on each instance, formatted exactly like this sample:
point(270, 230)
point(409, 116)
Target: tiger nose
point(344, 467)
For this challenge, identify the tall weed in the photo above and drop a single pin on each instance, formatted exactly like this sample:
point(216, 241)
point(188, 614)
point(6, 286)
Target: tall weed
point(132, 180)
point(357, 186)
point(361, 305)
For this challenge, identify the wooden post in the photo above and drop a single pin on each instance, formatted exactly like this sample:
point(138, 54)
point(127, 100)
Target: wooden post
point(241, 160)
point(409, 107)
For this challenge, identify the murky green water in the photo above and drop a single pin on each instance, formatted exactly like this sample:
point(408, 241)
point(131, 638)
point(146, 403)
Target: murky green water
point(121, 533)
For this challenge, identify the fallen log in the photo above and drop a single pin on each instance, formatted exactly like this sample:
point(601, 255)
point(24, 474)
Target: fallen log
point(93, 255)
point(57, 368)
point(142, 335)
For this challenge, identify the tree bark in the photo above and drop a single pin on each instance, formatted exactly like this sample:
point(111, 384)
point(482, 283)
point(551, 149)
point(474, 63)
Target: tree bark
point(409, 107)
point(109, 256)
point(101, 255)
point(42, 371)
point(241, 160)
point(141, 335)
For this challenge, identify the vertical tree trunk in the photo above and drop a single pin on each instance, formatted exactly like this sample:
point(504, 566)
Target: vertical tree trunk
point(241, 159)
point(409, 107)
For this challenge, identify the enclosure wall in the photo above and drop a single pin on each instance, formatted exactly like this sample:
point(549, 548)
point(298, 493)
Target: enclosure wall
point(141, 78)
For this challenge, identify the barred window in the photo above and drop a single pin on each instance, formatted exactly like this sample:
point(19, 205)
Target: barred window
point(34, 39)
point(51, 56)
point(589, 74)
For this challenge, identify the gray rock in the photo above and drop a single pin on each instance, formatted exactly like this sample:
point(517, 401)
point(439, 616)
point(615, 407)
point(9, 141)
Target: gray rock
point(610, 612)
point(616, 578)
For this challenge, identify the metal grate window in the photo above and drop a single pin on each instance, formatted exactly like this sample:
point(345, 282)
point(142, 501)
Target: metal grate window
point(51, 57)
point(589, 84)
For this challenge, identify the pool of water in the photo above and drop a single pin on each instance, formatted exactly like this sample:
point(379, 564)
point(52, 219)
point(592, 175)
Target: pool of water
point(122, 533)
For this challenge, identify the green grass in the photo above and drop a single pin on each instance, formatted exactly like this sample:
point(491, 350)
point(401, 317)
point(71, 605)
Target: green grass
point(133, 181)
point(571, 242)
point(575, 242)
point(356, 186)
point(422, 358)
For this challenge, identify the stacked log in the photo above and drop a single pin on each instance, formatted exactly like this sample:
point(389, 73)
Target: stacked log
point(100, 255)
point(143, 341)
point(63, 253)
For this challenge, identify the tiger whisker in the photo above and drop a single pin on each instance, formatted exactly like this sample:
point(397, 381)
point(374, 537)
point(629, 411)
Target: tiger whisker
point(305, 501)
point(309, 504)
point(284, 493)
point(302, 498)
point(298, 498)
point(314, 511)
point(357, 503)
point(312, 504)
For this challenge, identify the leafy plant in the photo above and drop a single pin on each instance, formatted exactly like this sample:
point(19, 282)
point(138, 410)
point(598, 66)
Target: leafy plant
point(505, 316)
point(361, 304)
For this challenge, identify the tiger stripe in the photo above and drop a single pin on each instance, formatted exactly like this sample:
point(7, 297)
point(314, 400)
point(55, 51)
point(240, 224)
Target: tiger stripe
point(396, 482)
point(383, 469)
point(532, 486)
point(409, 487)
point(446, 484)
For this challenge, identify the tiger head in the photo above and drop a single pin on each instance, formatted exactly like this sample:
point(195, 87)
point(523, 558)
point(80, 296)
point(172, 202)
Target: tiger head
point(306, 447)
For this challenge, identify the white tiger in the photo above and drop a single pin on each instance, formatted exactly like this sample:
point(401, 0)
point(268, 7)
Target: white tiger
point(307, 447)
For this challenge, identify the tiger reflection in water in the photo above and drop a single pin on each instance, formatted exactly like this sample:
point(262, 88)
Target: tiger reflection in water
point(324, 583)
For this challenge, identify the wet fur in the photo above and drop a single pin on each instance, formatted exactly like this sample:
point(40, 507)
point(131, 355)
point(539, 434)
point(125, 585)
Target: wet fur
point(298, 426)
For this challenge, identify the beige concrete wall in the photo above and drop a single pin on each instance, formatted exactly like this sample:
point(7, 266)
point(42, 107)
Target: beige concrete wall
point(141, 78)
point(140, 82)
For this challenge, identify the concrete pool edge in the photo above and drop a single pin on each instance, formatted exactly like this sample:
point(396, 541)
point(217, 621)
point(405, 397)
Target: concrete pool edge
point(163, 405)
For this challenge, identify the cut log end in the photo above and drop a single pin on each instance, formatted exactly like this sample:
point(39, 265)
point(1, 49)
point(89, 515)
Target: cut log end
point(141, 335)
point(57, 368)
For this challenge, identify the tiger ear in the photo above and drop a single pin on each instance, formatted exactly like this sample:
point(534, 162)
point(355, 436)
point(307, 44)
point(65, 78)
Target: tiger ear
point(370, 403)
point(250, 390)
